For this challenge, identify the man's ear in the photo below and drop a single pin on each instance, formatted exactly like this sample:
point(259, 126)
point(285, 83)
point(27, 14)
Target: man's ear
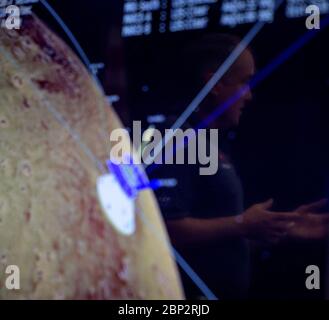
point(217, 88)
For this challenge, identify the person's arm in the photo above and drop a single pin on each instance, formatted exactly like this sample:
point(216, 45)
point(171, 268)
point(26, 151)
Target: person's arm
point(255, 223)
point(310, 227)
point(198, 232)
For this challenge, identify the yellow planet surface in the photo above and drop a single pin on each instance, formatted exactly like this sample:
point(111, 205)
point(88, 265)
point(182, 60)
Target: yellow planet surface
point(54, 129)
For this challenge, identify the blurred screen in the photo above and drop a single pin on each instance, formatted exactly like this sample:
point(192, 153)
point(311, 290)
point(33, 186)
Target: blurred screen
point(139, 49)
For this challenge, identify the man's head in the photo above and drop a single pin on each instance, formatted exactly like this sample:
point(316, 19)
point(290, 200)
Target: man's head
point(209, 55)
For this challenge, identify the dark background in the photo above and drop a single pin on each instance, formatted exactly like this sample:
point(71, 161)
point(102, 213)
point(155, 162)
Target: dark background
point(281, 147)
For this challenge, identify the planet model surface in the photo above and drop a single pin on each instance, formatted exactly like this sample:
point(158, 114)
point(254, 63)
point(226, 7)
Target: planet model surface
point(54, 138)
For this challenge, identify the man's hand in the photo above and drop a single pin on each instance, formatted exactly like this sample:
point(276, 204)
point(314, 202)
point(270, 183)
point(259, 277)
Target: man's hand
point(312, 207)
point(257, 222)
point(260, 224)
point(311, 226)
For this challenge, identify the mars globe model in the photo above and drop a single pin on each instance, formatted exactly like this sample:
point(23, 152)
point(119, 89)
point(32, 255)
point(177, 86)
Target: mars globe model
point(54, 129)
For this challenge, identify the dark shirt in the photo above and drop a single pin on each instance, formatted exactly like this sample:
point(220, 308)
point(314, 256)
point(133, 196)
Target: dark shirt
point(223, 266)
